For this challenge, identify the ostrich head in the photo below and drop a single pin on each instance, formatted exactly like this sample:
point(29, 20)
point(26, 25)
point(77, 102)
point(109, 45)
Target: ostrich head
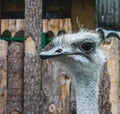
point(80, 55)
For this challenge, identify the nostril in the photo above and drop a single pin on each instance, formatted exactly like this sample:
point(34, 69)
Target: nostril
point(58, 50)
point(43, 57)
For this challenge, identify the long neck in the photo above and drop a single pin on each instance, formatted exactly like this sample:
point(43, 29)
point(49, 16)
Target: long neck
point(87, 95)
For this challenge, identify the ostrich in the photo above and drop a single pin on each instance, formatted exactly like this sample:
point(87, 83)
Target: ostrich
point(80, 55)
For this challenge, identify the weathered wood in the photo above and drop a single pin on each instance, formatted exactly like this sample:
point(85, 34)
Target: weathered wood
point(3, 76)
point(32, 79)
point(57, 24)
point(69, 25)
point(53, 25)
point(104, 92)
point(19, 24)
point(65, 92)
point(45, 25)
point(15, 78)
point(111, 52)
point(12, 26)
point(32, 61)
point(4, 25)
point(65, 24)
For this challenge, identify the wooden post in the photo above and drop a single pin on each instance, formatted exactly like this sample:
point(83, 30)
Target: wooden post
point(19, 24)
point(32, 61)
point(3, 76)
point(12, 26)
point(15, 78)
point(65, 24)
point(112, 55)
point(45, 25)
point(32, 80)
point(4, 25)
point(53, 25)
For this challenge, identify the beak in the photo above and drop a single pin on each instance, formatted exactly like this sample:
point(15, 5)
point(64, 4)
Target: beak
point(55, 52)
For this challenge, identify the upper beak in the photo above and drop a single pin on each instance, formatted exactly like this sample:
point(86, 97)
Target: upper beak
point(52, 53)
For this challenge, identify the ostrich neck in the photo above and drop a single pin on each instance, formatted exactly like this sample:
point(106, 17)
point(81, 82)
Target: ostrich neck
point(87, 94)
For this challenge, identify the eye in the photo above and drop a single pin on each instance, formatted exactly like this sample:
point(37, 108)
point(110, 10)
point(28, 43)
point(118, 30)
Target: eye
point(87, 46)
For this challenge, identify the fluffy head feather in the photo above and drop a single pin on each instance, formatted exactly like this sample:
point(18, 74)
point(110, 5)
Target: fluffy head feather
point(78, 53)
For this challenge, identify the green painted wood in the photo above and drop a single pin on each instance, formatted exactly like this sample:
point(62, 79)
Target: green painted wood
point(12, 39)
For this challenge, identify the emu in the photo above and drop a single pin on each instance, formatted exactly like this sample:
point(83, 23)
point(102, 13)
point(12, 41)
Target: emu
point(80, 55)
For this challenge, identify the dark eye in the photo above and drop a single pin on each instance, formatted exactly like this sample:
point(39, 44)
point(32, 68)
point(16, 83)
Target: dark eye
point(87, 46)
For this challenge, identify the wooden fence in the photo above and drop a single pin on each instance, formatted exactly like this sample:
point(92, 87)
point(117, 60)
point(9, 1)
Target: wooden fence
point(57, 92)
point(58, 95)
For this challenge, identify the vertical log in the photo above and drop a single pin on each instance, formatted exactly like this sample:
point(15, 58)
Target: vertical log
point(15, 78)
point(53, 25)
point(62, 24)
point(104, 93)
point(69, 25)
point(19, 24)
point(65, 24)
point(3, 77)
point(111, 52)
point(45, 25)
point(4, 25)
point(12, 26)
point(31, 78)
point(32, 62)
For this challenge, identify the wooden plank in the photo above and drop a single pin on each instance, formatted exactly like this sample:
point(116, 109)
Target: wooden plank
point(4, 25)
point(53, 24)
point(69, 25)
point(111, 52)
point(3, 76)
point(12, 26)
point(62, 24)
point(65, 24)
point(15, 78)
point(45, 25)
point(57, 24)
point(19, 24)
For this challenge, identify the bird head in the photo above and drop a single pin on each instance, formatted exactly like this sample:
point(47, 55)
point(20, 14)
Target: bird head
point(77, 52)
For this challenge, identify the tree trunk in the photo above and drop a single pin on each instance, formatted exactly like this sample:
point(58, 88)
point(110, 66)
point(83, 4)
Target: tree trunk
point(32, 62)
